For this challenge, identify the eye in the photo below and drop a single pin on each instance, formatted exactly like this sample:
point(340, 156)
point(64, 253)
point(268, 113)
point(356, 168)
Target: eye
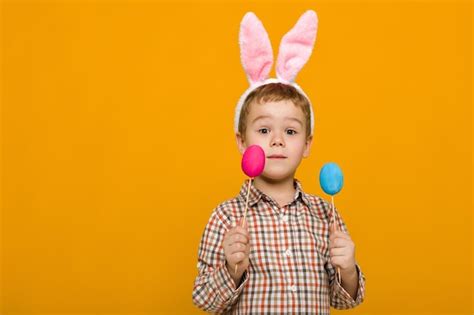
point(291, 132)
point(263, 130)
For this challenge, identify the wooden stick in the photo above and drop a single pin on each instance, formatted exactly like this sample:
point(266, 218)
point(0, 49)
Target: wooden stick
point(338, 274)
point(247, 202)
point(245, 215)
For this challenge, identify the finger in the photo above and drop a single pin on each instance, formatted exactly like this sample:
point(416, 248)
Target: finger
point(238, 238)
point(229, 234)
point(338, 242)
point(340, 234)
point(337, 261)
point(242, 223)
point(338, 239)
point(237, 247)
point(333, 226)
point(237, 257)
point(227, 238)
point(247, 249)
point(235, 231)
point(241, 230)
point(337, 252)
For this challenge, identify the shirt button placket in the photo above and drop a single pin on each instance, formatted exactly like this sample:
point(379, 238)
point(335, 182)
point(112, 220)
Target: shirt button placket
point(284, 215)
point(284, 218)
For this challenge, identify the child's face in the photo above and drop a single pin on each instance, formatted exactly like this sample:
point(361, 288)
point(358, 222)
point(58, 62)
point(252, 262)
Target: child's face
point(279, 128)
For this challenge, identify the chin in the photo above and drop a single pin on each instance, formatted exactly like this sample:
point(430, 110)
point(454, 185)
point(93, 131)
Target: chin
point(276, 176)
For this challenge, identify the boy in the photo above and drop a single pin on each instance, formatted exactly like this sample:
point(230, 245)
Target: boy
point(288, 251)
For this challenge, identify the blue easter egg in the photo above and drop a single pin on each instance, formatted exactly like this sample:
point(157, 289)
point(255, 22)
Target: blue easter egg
point(331, 178)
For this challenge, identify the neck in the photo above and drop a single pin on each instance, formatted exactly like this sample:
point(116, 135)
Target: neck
point(281, 190)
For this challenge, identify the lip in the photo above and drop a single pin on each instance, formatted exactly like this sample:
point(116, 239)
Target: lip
point(276, 156)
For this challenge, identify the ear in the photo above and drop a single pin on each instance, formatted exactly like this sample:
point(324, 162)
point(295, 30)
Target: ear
point(296, 46)
point(307, 147)
point(240, 142)
point(256, 51)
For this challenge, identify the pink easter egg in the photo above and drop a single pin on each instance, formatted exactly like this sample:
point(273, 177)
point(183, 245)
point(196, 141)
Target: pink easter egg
point(253, 161)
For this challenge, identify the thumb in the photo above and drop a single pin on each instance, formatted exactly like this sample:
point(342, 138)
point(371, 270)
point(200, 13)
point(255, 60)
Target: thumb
point(243, 223)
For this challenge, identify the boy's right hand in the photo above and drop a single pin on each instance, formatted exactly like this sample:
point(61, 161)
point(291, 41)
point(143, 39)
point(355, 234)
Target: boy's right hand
point(236, 245)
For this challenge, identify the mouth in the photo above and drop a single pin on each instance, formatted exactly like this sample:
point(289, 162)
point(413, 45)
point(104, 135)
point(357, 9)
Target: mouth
point(276, 156)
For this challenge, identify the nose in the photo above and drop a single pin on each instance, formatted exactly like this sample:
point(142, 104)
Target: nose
point(277, 140)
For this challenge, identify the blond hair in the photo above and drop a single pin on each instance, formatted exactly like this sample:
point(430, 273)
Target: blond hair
point(275, 92)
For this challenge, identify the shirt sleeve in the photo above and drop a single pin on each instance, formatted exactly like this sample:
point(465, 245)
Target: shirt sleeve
point(339, 297)
point(214, 289)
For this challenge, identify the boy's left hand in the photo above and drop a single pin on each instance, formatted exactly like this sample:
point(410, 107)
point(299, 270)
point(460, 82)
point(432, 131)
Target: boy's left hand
point(341, 249)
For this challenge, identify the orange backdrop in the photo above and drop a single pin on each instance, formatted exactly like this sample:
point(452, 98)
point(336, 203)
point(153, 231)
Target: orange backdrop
point(117, 143)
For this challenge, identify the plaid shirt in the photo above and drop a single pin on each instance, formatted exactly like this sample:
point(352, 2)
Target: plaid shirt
point(290, 270)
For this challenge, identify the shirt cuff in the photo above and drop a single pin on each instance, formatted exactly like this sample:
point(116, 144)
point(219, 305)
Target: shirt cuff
point(226, 286)
point(345, 299)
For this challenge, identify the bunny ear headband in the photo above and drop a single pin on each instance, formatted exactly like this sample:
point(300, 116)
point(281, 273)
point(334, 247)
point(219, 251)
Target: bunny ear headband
point(257, 56)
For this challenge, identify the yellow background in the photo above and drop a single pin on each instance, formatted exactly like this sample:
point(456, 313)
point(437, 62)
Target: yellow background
point(117, 143)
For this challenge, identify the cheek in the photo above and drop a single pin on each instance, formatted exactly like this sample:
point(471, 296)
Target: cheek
point(298, 145)
point(255, 139)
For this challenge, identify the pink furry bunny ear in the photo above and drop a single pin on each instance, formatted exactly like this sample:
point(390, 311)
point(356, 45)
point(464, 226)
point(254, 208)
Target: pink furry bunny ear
point(255, 49)
point(296, 46)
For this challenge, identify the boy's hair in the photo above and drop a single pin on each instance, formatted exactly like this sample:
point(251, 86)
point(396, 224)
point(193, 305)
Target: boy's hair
point(275, 92)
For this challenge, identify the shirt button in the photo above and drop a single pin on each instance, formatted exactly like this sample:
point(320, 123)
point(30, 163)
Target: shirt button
point(288, 253)
point(284, 218)
point(292, 288)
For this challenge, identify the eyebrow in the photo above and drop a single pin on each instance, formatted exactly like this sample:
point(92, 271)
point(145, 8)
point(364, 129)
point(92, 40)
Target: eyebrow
point(287, 118)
